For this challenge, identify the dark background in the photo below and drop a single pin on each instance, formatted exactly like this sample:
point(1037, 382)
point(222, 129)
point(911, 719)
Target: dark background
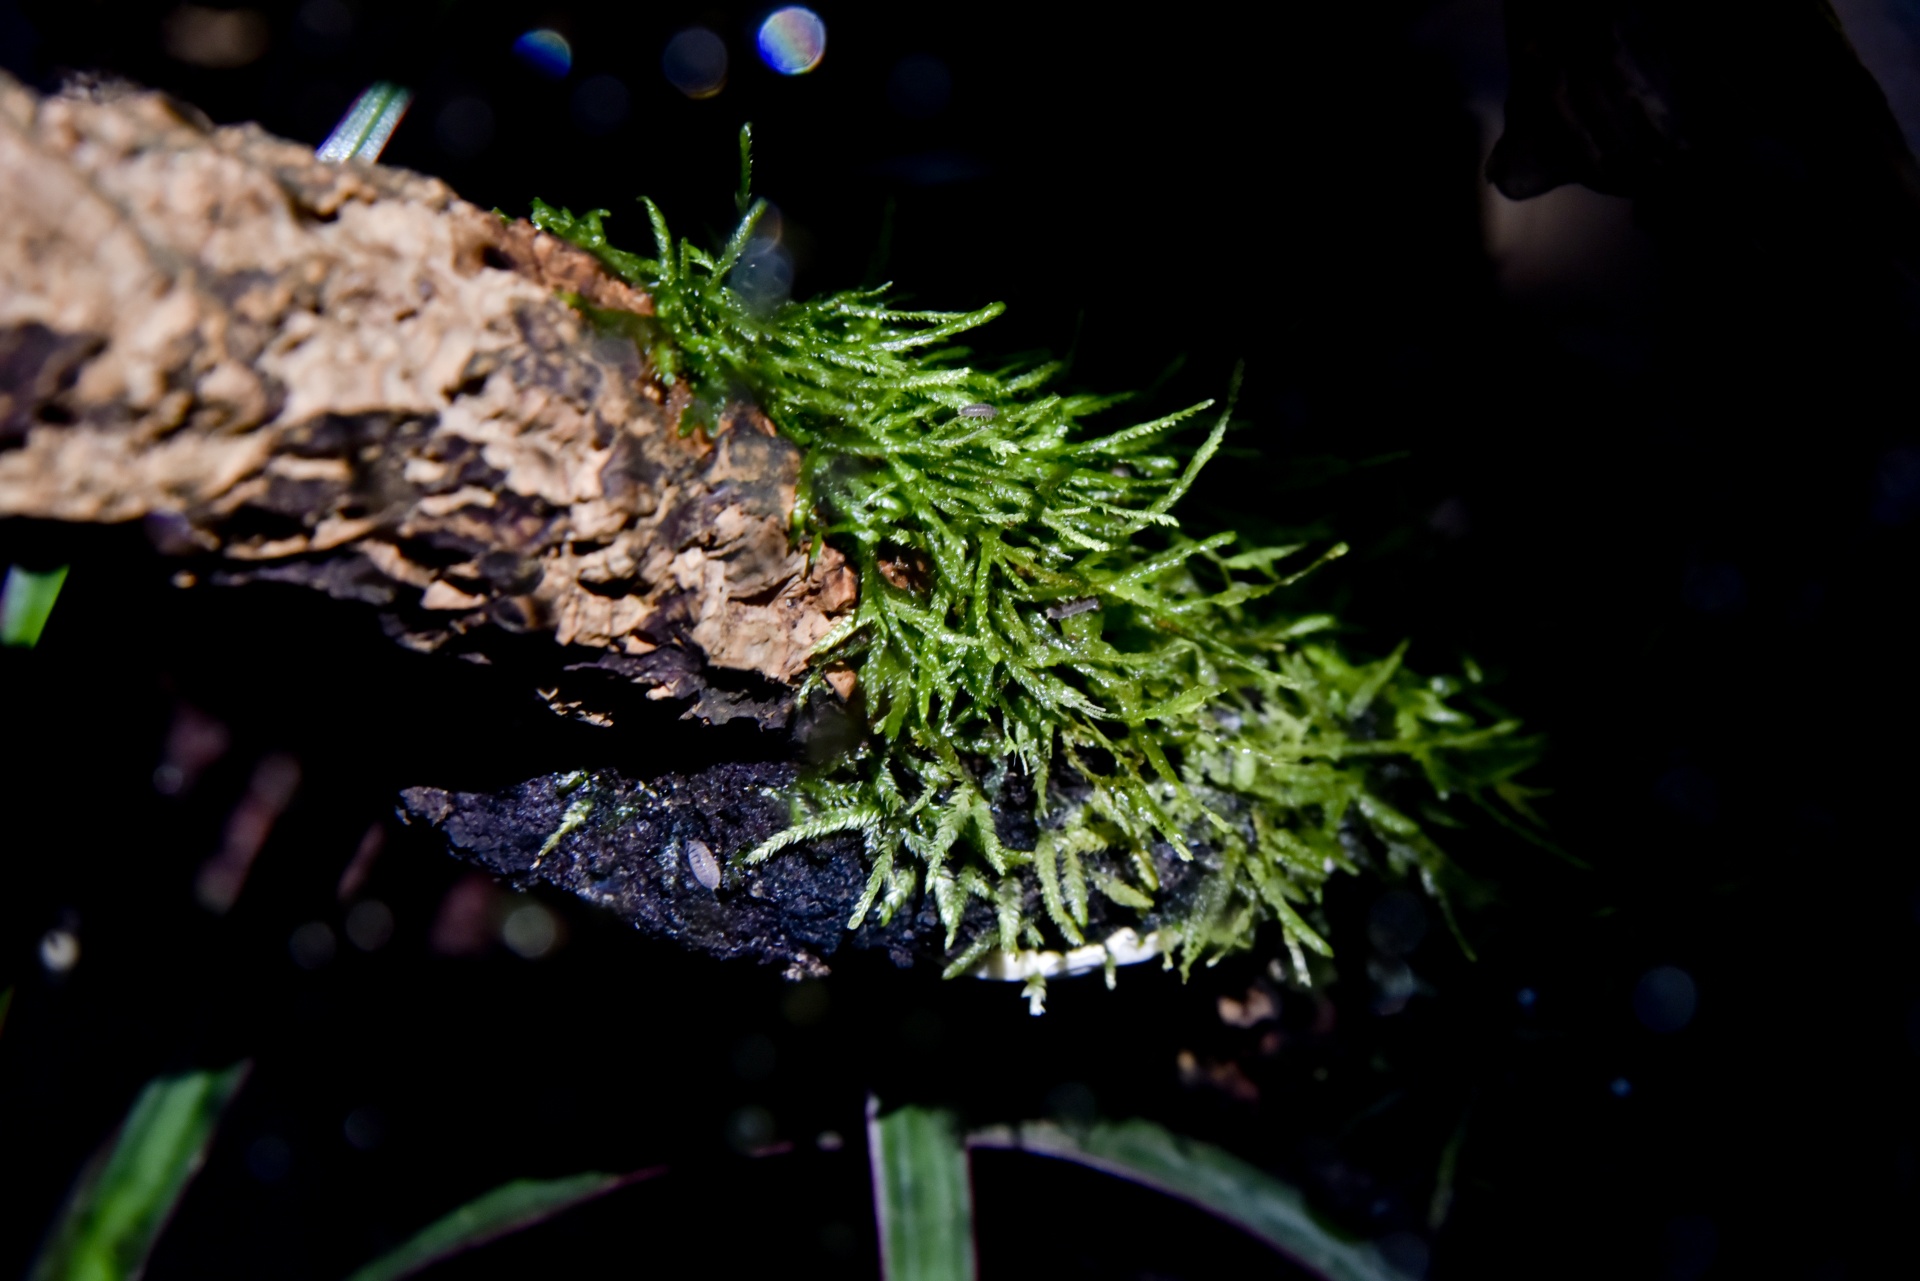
point(1649, 456)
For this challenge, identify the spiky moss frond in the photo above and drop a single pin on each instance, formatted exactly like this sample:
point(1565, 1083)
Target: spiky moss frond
point(1028, 600)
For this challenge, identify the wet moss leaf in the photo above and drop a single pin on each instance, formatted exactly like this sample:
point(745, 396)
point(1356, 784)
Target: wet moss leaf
point(1203, 1176)
point(127, 1192)
point(507, 1209)
point(920, 1195)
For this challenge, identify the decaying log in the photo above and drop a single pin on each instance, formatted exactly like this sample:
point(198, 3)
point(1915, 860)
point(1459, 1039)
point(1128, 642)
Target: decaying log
point(344, 376)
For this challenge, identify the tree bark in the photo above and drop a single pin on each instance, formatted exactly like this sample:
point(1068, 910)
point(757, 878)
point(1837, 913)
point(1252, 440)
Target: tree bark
point(344, 376)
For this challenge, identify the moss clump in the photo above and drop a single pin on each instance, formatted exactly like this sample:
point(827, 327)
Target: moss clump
point(1029, 603)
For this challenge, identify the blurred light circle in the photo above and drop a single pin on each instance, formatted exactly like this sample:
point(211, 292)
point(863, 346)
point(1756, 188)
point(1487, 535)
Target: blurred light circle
point(754, 1057)
point(919, 85)
point(218, 39)
point(546, 51)
point(695, 62)
point(370, 925)
point(464, 127)
point(59, 951)
point(1665, 999)
point(765, 279)
point(326, 24)
point(269, 1158)
point(1397, 923)
point(749, 1129)
point(530, 930)
point(311, 946)
point(1406, 1253)
point(364, 1129)
point(793, 40)
point(600, 104)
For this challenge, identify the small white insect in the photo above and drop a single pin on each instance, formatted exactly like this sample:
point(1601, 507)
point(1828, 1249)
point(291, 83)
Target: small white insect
point(1068, 608)
point(705, 869)
point(977, 411)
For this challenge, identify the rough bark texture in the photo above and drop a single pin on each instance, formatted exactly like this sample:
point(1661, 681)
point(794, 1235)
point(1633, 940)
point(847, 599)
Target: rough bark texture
point(346, 377)
point(626, 845)
point(630, 853)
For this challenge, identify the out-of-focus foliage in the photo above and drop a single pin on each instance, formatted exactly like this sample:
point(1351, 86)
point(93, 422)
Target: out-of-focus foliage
point(26, 602)
point(1205, 1176)
point(507, 1209)
point(127, 1192)
point(922, 1201)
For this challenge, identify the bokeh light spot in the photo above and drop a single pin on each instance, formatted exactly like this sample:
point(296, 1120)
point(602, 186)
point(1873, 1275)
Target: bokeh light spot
point(311, 946)
point(364, 1129)
point(59, 951)
point(1621, 1087)
point(370, 925)
point(753, 1057)
point(749, 1129)
point(464, 127)
point(217, 39)
point(919, 86)
point(695, 62)
point(546, 51)
point(600, 104)
point(793, 40)
point(269, 1159)
point(530, 931)
point(1665, 998)
point(805, 1003)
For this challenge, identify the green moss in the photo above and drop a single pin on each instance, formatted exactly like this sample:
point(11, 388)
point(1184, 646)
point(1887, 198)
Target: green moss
point(1029, 602)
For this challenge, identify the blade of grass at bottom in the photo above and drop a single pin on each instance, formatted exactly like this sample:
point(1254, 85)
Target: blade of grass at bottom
point(1206, 1177)
point(507, 1209)
point(26, 602)
point(920, 1195)
point(127, 1192)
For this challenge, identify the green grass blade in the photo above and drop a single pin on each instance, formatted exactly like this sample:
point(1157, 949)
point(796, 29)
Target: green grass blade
point(26, 602)
point(363, 132)
point(6, 1003)
point(920, 1195)
point(507, 1209)
point(127, 1192)
point(1203, 1176)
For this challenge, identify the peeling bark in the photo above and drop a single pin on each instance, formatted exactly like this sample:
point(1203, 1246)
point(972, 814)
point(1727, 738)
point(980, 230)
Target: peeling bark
point(344, 376)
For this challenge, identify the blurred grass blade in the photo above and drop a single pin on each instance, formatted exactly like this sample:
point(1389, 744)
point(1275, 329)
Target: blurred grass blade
point(920, 1195)
point(363, 132)
point(6, 1003)
point(127, 1192)
point(505, 1210)
point(26, 602)
point(1204, 1176)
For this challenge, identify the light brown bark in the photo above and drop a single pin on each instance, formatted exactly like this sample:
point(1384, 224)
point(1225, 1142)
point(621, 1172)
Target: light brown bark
point(346, 376)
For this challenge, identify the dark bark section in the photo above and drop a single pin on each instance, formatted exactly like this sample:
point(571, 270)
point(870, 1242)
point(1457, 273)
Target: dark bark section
point(632, 855)
point(629, 849)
